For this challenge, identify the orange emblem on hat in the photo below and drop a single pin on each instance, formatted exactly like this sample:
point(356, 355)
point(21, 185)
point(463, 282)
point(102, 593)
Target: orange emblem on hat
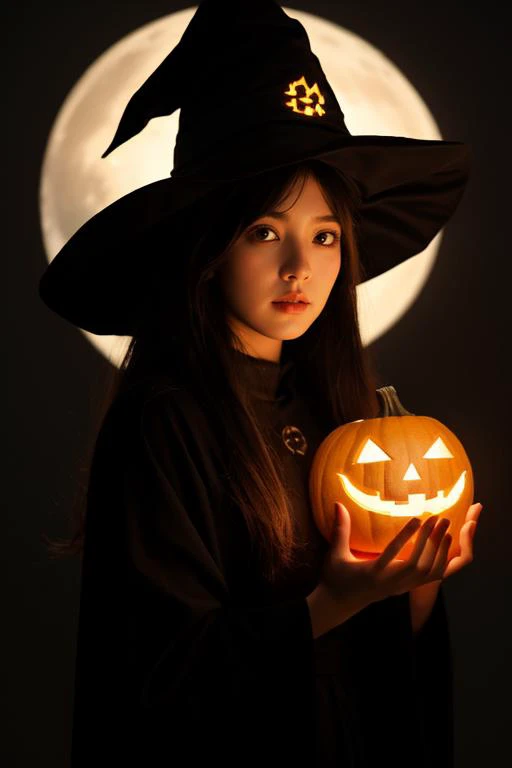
point(311, 95)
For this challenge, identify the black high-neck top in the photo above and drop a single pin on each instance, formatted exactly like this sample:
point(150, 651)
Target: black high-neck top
point(289, 423)
point(267, 380)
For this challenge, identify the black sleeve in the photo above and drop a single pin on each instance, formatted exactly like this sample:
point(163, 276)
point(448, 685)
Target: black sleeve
point(198, 671)
point(434, 685)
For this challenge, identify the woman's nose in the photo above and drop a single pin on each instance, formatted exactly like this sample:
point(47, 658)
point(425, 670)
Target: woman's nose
point(297, 267)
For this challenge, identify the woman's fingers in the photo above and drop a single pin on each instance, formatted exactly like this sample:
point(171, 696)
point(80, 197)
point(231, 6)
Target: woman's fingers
point(422, 540)
point(429, 552)
point(426, 549)
point(429, 559)
point(474, 512)
point(467, 533)
point(441, 558)
point(396, 544)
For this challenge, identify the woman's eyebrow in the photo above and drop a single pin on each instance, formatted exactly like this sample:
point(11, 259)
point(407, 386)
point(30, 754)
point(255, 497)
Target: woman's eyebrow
point(327, 217)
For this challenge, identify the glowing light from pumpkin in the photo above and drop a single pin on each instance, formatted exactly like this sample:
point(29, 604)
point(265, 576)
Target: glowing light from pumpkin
point(438, 450)
point(371, 452)
point(417, 503)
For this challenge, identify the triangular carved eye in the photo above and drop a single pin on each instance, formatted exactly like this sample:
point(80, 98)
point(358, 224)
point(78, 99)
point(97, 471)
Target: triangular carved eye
point(372, 452)
point(438, 450)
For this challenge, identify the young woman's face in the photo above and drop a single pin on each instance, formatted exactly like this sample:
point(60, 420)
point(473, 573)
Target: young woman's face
point(274, 256)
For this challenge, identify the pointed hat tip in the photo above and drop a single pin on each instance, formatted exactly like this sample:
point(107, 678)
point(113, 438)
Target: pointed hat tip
point(116, 142)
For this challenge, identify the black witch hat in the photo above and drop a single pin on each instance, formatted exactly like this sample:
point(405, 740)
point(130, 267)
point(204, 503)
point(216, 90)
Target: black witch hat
point(252, 97)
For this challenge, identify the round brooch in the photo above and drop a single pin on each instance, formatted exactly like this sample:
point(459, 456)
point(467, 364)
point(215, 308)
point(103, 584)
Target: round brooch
point(294, 440)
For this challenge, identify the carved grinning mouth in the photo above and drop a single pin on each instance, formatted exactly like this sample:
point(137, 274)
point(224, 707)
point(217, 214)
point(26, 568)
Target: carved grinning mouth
point(417, 503)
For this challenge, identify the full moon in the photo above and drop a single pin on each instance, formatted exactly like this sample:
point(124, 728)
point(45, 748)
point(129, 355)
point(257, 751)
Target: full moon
point(76, 183)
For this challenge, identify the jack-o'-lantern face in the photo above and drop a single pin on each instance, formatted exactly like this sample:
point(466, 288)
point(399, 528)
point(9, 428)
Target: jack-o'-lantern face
point(306, 100)
point(411, 486)
point(386, 471)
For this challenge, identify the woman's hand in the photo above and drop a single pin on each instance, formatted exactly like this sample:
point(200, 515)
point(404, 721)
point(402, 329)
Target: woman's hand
point(422, 599)
point(466, 536)
point(374, 578)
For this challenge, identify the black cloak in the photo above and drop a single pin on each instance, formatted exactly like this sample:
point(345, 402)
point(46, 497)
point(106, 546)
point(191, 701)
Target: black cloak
point(185, 653)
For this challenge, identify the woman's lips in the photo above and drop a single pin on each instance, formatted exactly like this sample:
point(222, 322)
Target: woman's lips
point(289, 307)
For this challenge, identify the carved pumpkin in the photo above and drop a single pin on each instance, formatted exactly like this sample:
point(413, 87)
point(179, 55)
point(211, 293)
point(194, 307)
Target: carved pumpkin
point(387, 470)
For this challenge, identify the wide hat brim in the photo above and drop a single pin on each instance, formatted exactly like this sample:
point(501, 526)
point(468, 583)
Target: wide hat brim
point(409, 190)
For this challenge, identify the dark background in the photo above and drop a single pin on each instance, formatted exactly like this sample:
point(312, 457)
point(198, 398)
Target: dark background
point(446, 357)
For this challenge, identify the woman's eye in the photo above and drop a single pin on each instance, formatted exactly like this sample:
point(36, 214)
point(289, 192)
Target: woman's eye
point(333, 235)
point(261, 229)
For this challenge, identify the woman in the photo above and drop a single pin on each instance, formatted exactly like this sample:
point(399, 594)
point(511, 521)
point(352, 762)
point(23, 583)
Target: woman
point(215, 622)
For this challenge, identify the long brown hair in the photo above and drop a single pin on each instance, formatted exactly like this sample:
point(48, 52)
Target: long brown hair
point(335, 369)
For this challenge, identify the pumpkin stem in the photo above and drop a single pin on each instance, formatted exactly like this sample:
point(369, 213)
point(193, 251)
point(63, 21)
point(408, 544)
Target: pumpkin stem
point(390, 404)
